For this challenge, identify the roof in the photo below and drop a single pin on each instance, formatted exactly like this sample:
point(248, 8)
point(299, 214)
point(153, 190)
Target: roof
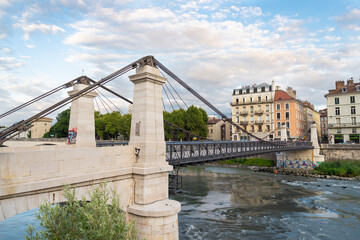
point(214, 120)
point(44, 119)
point(281, 95)
point(350, 88)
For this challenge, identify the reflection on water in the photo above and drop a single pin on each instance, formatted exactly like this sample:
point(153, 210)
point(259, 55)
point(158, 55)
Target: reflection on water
point(230, 203)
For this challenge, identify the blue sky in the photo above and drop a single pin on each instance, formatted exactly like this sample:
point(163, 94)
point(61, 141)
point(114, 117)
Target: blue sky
point(215, 46)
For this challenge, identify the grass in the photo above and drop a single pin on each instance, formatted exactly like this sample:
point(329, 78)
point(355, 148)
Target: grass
point(339, 168)
point(261, 162)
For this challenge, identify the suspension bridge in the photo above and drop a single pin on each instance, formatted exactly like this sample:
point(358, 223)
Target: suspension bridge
point(139, 171)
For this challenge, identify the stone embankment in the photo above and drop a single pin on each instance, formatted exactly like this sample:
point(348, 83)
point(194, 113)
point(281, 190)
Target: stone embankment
point(299, 172)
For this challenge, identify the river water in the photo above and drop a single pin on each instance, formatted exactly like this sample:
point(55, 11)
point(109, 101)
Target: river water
point(232, 203)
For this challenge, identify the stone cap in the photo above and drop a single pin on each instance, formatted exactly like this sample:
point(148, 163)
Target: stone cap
point(161, 208)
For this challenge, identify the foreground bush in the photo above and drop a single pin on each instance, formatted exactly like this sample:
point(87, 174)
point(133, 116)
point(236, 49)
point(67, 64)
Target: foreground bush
point(250, 162)
point(83, 220)
point(339, 168)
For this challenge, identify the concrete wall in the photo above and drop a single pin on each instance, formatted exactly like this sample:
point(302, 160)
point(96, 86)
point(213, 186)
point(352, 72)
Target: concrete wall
point(28, 142)
point(335, 152)
point(31, 175)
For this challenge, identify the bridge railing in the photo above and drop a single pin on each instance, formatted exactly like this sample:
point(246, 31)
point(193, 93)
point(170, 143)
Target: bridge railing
point(178, 153)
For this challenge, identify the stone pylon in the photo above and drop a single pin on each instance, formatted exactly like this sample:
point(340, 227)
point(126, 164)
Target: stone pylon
point(82, 117)
point(283, 133)
point(317, 158)
point(154, 213)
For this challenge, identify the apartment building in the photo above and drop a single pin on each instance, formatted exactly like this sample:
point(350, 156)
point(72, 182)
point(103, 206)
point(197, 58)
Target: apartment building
point(343, 104)
point(291, 112)
point(323, 123)
point(218, 130)
point(311, 115)
point(252, 108)
point(40, 127)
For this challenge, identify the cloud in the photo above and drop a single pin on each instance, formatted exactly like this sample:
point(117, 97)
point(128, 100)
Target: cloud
point(10, 63)
point(351, 20)
point(29, 26)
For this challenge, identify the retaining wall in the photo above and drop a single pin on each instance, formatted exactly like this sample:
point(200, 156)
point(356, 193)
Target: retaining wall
point(334, 152)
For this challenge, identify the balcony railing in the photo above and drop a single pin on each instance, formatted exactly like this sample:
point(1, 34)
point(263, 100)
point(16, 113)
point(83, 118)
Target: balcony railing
point(336, 125)
point(244, 113)
point(259, 112)
point(244, 122)
point(259, 122)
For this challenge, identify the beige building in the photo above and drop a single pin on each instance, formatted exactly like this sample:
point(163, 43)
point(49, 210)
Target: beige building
point(252, 108)
point(218, 130)
point(311, 115)
point(343, 104)
point(40, 127)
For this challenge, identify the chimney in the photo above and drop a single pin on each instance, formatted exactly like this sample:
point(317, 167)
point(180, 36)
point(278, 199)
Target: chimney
point(339, 84)
point(291, 92)
point(350, 81)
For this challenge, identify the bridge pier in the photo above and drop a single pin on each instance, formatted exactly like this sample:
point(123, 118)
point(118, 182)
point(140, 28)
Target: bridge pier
point(154, 213)
point(307, 159)
point(82, 119)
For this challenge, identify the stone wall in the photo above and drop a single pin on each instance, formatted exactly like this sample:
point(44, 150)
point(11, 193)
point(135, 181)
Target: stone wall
point(31, 175)
point(335, 152)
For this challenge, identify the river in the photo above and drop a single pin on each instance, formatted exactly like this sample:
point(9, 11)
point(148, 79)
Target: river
point(232, 203)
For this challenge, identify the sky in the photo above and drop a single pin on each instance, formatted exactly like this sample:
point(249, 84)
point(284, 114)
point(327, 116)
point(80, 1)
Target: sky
point(214, 46)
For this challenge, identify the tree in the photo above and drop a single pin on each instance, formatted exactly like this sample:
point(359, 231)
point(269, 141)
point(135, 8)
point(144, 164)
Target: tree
point(93, 219)
point(110, 125)
point(61, 127)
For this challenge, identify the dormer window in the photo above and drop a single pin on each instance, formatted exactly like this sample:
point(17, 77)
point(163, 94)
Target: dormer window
point(344, 89)
point(358, 88)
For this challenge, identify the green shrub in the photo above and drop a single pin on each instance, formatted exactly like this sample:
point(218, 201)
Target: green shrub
point(95, 219)
point(339, 168)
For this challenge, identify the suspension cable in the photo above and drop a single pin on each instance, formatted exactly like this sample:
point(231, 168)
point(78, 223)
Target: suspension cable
point(168, 98)
point(102, 102)
point(97, 105)
point(176, 92)
point(172, 95)
point(109, 100)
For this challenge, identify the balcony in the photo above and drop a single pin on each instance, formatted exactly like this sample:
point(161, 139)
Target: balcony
point(244, 122)
point(338, 125)
point(259, 122)
point(259, 112)
point(244, 113)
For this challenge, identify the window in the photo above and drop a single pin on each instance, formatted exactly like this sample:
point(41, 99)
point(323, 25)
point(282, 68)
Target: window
point(260, 118)
point(344, 89)
point(278, 125)
point(337, 111)
point(237, 100)
point(267, 118)
point(251, 99)
point(252, 118)
point(352, 99)
point(286, 106)
point(278, 116)
point(268, 128)
point(252, 128)
point(279, 133)
point(259, 108)
point(263, 89)
point(244, 101)
point(358, 88)
point(267, 107)
point(244, 109)
point(353, 110)
point(353, 120)
point(251, 109)
point(287, 115)
point(211, 131)
point(255, 89)
point(336, 100)
point(338, 130)
point(244, 119)
point(288, 124)
point(237, 119)
point(278, 106)
point(288, 133)
point(337, 121)
point(259, 99)
point(354, 130)
point(266, 98)
point(248, 90)
point(237, 110)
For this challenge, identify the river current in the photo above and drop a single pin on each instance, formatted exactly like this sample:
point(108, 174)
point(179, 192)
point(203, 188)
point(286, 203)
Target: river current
point(233, 203)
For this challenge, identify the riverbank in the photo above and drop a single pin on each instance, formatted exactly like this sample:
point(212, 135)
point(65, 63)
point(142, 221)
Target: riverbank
point(286, 171)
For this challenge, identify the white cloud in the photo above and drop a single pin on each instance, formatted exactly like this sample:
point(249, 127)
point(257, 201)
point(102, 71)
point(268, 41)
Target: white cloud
point(29, 45)
point(350, 20)
point(9, 63)
point(250, 11)
point(332, 38)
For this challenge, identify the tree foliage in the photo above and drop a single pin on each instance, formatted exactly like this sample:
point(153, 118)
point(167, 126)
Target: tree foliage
point(193, 119)
point(94, 219)
point(111, 125)
point(61, 127)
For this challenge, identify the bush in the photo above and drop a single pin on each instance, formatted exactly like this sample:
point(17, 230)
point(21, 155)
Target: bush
point(84, 220)
point(339, 168)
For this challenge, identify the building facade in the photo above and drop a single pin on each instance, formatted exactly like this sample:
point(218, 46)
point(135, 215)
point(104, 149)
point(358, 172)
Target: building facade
point(311, 116)
point(40, 127)
point(252, 109)
point(290, 112)
point(343, 104)
point(323, 124)
point(218, 130)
